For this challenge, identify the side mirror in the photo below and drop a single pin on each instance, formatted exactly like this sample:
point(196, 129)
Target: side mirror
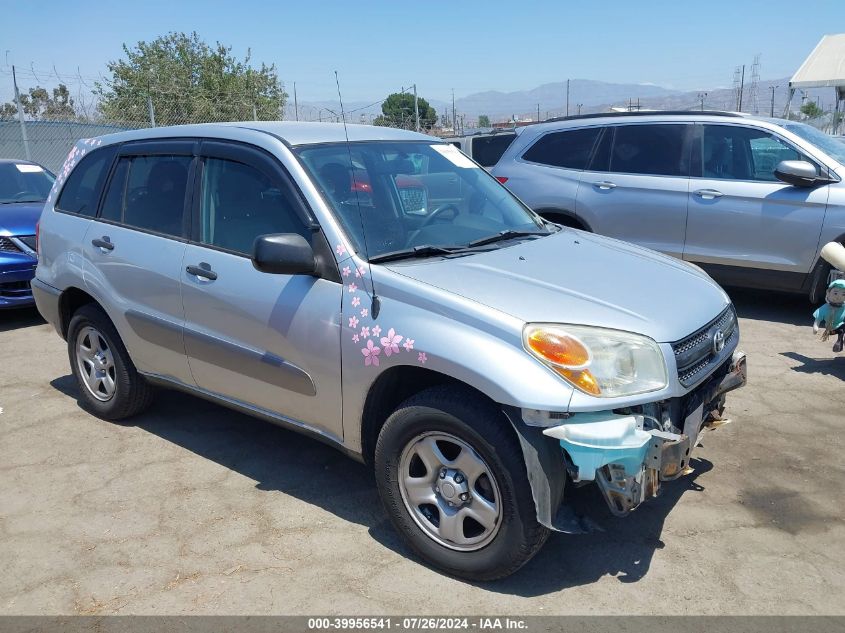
point(283, 254)
point(799, 173)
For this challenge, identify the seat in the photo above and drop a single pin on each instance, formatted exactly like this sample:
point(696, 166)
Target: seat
point(161, 208)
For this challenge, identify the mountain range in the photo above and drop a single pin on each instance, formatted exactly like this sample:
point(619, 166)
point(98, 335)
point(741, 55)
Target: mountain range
point(592, 95)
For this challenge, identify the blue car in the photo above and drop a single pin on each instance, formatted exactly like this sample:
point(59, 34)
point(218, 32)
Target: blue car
point(24, 187)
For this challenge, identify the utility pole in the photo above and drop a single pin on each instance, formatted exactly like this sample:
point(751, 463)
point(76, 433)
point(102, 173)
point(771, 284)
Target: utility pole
point(567, 97)
point(20, 116)
point(741, 87)
point(772, 108)
point(454, 120)
point(538, 113)
point(702, 96)
point(416, 109)
point(579, 108)
point(295, 103)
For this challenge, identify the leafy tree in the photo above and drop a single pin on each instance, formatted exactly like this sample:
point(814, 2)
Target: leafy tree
point(40, 104)
point(398, 111)
point(811, 110)
point(188, 81)
point(483, 121)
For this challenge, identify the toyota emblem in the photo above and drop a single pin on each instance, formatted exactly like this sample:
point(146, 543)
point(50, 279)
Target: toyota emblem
point(718, 341)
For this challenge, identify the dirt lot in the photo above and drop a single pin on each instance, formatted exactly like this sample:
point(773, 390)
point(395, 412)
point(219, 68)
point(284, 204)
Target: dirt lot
point(192, 508)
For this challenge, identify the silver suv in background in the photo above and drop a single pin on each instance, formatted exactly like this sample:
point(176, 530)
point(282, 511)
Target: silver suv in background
point(750, 200)
point(278, 269)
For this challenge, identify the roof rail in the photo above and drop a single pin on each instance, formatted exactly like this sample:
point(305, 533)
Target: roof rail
point(596, 115)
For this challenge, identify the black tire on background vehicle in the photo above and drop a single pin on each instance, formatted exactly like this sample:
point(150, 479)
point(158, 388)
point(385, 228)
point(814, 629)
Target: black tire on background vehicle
point(427, 444)
point(818, 285)
point(109, 385)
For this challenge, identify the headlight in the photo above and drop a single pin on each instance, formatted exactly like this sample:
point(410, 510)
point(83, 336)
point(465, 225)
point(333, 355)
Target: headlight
point(600, 362)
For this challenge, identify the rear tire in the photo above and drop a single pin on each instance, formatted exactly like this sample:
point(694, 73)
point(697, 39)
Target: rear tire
point(109, 385)
point(464, 432)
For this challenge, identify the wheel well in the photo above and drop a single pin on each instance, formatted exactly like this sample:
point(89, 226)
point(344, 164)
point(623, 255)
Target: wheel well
point(563, 217)
point(71, 300)
point(390, 389)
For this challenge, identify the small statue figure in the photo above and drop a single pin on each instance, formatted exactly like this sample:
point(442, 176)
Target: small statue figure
point(832, 314)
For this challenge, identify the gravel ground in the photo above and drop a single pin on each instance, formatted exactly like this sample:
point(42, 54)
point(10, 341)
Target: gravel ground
point(194, 509)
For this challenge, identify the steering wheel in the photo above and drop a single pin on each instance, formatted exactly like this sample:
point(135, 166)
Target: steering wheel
point(443, 208)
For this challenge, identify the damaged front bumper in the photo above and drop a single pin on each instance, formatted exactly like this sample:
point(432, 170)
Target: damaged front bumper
point(629, 453)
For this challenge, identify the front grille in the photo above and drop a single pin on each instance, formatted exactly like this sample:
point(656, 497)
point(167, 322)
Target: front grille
point(15, 290)
point(696, 355)
point(29, 240)
point(8, 246)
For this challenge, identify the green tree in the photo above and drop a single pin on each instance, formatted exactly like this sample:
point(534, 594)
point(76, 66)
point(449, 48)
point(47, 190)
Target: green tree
point(811, 110)
point(398, 111)
point(40, 104)
point(483, 121)
point(188, 81)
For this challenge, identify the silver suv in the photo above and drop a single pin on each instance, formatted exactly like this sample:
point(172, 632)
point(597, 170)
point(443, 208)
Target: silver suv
point(750, 200)
point(479, 357)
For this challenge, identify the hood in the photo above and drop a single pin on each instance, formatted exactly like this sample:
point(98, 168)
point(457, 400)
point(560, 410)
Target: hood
point(581, 278)
point(19, 218)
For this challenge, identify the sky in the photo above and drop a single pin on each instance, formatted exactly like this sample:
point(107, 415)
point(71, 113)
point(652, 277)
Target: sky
point(378, 47)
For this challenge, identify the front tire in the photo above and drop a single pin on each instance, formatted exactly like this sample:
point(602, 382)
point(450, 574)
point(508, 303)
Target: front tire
point(109, 385)
point(452, 478)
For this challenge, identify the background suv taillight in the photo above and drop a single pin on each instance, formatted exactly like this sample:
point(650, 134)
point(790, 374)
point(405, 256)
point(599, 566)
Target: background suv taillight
point(37, 226)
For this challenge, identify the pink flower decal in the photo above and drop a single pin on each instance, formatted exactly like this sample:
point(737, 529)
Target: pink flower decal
point(364, 312)
point(356, 301)
point(408, 344)
point(371, 353)
point(357, 272)
point(346, 271)
point(421, 357)
point(355, 338)
point(361, 270)
point(377, 330)
point(353, 322)
point(353, 288)
point(391, 342)
point(340, 249)
point(365, 332)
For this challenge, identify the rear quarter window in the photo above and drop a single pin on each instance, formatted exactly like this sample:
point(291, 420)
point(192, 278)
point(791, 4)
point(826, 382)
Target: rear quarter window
point(81, 191)
point(570, 148)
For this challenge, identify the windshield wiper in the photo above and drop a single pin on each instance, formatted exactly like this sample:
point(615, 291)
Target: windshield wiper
point(504, 235)
point(426, 250)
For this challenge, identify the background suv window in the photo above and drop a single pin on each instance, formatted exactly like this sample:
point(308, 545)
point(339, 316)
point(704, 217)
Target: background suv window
point(741, 153)
point(81, 192)
point(660, 150)
point(148, 192)
point(487, 150)
point(239, 203)
point(570, 148)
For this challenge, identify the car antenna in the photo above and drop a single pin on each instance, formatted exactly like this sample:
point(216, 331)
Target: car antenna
point(375, 303)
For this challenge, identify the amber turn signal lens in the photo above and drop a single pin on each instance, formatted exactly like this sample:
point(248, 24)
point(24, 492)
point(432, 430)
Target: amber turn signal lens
point(582, 379)
point(559, 348)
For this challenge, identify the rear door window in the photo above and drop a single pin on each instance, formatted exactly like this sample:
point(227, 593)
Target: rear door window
point(570, 148)
point(487, 150)
point(148, 192)
point(659, 150)
point(81, 192)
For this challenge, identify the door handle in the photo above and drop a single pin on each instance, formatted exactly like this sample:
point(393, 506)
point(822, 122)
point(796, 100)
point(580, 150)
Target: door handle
point(708, 194)
point(604, 184)
point(104, 244)
point(203, 272)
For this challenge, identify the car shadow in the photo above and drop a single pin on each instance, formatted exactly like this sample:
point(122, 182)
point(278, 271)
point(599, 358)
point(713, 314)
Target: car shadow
point(770, 305)
point(308, 470)
point(19, 318)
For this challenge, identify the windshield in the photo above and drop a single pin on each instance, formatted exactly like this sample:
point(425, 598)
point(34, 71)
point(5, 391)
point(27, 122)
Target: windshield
point(826, 143)
point(24, 182)
point(405, 195)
